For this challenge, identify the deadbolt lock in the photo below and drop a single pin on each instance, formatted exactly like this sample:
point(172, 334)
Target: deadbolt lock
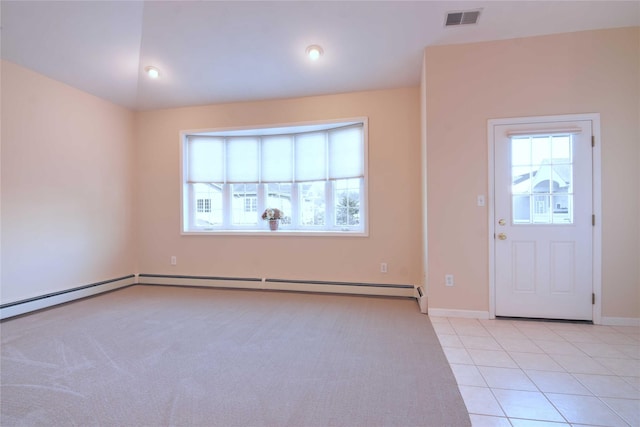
point(502, 222)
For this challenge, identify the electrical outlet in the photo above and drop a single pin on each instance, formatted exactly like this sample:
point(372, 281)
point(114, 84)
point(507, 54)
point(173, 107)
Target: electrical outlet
point(174, 260)
point(383, 267)
point(448, 279)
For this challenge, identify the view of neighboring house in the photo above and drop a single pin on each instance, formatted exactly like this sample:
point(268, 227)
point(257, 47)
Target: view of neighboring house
point(245, 210)
point(542, 186)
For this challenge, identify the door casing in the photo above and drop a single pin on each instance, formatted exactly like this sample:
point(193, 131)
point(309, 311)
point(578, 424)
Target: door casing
point(597, 202)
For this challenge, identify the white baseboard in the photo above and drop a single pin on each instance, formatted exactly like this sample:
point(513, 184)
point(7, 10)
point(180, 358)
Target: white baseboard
point(620, 321)
point(467, 314)
point(265, 284)
point(45, 301)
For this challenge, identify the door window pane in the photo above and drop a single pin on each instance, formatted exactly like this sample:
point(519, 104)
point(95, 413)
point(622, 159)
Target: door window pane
point(541, 210)
point(522, 209)
point(561, 148)
point(562, 209)
point(521, 151)
point(542, 185)
point(521, 179)
point(562, 176)
point(540, 149)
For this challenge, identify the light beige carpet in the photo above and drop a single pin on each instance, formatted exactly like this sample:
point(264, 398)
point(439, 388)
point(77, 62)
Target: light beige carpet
point(155, 356)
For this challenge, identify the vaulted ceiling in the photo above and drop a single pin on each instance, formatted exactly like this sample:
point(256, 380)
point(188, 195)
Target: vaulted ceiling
point(225, 51)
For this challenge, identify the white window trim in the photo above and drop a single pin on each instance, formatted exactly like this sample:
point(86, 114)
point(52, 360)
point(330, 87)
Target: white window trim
point(225, 230)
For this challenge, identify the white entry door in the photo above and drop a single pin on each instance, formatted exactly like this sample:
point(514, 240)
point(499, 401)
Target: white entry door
point(543, 219)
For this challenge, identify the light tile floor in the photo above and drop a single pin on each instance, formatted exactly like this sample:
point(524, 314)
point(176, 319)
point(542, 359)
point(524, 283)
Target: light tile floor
point(527, 373)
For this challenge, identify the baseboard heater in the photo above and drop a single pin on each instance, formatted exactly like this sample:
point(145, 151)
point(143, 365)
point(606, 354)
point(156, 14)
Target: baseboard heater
point(422, 300)
point(384, 289)
point(28, 305)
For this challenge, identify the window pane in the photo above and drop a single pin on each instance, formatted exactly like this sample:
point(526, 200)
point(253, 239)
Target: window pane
point(277, 159)
point(244, 196)
point(562, 178)
point(522, 209)
point(562, 209)
point(312, 203)
point(521, 151)
point(279, 197)
point(206, 159)
point(208, 201)
point(242, 160)
point(561, 149)
point(541, 183)
point(311, 157)
point(347, 202)
point(540, 149)
point(346, 153)
point(521, 179)
point(541, 210)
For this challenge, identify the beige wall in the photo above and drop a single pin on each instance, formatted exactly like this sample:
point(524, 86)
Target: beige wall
point(467, 84)
point(67, 187)
point(394, 195)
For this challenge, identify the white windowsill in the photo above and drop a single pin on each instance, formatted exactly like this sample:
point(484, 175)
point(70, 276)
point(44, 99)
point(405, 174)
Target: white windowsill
point(301, 233)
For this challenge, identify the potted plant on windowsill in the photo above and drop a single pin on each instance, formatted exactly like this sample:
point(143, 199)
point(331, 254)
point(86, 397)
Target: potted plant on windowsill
point(274, 216)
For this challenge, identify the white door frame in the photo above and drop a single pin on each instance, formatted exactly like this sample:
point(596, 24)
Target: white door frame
point(597, 202)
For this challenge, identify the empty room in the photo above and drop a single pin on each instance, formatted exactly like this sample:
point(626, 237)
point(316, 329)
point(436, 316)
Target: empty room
point(320, 213)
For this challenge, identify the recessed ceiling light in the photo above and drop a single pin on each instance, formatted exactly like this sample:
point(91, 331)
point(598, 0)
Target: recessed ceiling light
point(152, 72)
point(314, 52)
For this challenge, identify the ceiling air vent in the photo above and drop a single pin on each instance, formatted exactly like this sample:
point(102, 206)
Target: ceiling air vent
point(462, 18)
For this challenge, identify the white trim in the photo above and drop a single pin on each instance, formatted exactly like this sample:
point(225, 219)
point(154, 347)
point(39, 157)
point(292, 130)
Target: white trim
point(597, 211)
point(311, 125)
point(597, 200)
point(61, 298)
point(424, 176)
point(558, 131)
point(466, 314)
point(620, 321)
point(281, 232)
point(279, 286)
point(491, 217)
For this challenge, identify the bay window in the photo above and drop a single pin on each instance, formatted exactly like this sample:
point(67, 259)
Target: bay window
point(315, 174)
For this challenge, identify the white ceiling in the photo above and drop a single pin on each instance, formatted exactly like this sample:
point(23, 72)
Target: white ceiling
point(222, 51)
